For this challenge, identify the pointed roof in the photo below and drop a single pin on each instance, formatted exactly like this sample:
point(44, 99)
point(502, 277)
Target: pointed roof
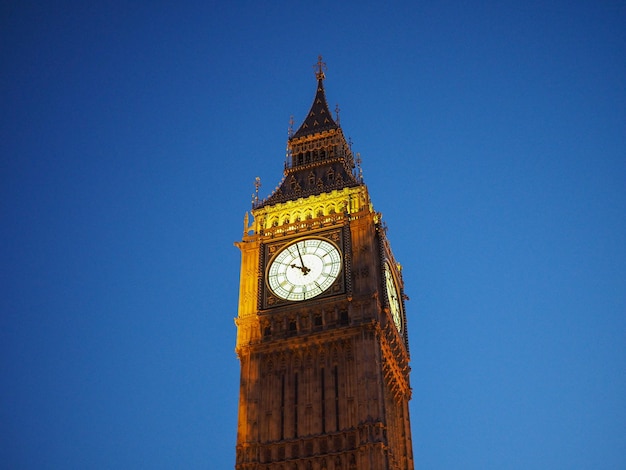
point(319, 159)
point(319, 118)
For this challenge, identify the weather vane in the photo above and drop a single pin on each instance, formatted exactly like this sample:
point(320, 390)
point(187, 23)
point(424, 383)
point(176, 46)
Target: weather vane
point(320, 67)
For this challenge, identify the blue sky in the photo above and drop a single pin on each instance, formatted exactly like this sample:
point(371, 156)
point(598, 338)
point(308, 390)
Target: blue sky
point(493, 142)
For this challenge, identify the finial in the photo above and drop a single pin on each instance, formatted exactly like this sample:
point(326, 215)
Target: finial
point(337, 113)
point(358, 165)
point(290, 131)
point(257, 185)
point(319, 68)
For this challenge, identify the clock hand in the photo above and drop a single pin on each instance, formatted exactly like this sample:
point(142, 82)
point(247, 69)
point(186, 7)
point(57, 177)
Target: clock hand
point(305, 270)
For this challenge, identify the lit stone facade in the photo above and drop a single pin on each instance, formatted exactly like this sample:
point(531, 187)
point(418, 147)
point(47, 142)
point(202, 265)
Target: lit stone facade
point(325, 379)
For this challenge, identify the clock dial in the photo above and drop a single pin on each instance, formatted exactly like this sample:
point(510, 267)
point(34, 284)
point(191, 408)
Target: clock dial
point(304, 269)
point(393, 298)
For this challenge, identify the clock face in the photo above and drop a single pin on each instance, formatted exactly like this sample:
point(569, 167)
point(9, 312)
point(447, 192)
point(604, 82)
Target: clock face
point(304, 269)
point(393, 298)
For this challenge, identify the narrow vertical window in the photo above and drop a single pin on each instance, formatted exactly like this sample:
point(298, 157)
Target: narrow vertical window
point(323, 402)
point(295, 406)
point(336, 398)
point(282, 407)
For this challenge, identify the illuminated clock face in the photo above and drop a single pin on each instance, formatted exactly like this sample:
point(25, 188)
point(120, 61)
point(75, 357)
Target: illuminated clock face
point(393, 298)
point(304, 269)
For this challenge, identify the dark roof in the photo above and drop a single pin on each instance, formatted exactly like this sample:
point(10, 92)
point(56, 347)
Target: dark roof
point(326, 166)
point(311, 181)
point(319, 118)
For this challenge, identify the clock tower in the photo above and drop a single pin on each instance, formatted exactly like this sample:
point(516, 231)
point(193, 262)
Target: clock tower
point(321, 327)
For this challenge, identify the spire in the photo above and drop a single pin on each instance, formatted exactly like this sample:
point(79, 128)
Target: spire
point(319, 118)
point(319, 159)
point(321, 66)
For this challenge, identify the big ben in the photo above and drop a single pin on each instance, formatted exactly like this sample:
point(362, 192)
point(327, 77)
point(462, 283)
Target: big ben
point(321, 328)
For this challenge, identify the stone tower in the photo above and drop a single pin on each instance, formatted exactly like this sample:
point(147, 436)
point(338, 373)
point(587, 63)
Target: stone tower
point(321, 327)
